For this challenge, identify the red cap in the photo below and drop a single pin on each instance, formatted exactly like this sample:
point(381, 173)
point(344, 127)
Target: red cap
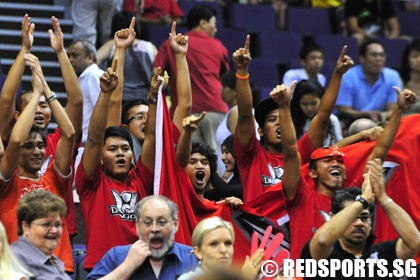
point(327, 152)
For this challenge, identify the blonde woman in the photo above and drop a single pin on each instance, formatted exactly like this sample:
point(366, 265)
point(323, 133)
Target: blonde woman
point(10, 268)
point(212, 242)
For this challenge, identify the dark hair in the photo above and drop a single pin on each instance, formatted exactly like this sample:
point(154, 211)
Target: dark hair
point(303, 88)
point(88, 47)
point(116, 131)
point(405, 70)
point(208, 152)
point(308, 48)
point(228, 79)
point(19, 100)
point(363, 47)
point(128, 105)
point(36, 130)
point(122, 20)
point(197, 13)
point(36, 204)
point(347, 194)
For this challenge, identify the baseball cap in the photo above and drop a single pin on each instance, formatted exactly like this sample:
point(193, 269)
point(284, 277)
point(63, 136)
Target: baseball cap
point(263, 109)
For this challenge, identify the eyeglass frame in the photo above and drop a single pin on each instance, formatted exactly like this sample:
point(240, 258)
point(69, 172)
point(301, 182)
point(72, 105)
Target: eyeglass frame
point(138, 117)
point(48, 225)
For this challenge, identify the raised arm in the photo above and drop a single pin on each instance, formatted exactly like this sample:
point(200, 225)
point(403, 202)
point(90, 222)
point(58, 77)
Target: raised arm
point(384, 143)
point(123, 40)
point(74, 106)
point(11, 84)
point(21, 129)
point(93, 148)
point(319, 125)
point(408, 243)
point(245, 127)
point(183, 149)
point(65, 145)
point(322, 243)
point(179, 45)
point(282, 95)
point(149, 147)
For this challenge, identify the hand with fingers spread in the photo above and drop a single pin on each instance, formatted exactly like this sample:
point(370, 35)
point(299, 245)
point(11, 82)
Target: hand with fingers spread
point(242, 56)
point(56, 35)
point(124, 38)
point(190, 123)
point(178, 42)
point(405, 98)
point(344, 62)
point(109, 79)
point(27, 33)
point(282, 94)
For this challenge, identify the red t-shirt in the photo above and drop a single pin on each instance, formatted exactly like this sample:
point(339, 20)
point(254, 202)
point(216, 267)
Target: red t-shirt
point(156, 9)
point(108, 208)
point(10, 193)
point(260, 169)
point(207, 60)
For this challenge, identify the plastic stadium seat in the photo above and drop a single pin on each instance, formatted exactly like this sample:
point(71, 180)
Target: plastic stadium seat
point(264, 73)
point(333, 44)
point(252, 17)
point(280, 46)
point(394, 49)
point(231, 39)
point(307, 20)
point(159, 33)
point(408, 24)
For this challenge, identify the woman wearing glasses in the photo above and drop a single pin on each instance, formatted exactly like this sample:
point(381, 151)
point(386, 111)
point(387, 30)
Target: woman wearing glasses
point(40, 227)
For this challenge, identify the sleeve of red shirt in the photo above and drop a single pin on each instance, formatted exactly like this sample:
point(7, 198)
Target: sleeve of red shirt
point(175, 10)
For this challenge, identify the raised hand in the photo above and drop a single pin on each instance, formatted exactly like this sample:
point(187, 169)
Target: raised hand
point(27, 32)
point(33, 62)
point(367, 190)
point(242, 57)
point(178, 42)
point(124, 38)
point(405, 98)
point(109, 79)
point(155, 83)
point(56, 35)
point(344, 62)
point(190, 123)
point(282, 94)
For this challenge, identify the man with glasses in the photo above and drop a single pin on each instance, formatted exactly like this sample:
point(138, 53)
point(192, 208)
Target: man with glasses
point(348, 235)
point(155, 255)
point(366, 89)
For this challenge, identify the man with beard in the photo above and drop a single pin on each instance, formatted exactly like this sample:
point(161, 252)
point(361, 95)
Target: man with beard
point(348, 235)
point(155, 255)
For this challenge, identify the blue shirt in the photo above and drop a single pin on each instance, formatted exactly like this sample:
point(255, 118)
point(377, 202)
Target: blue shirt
point(176, 262)
point(357, 93)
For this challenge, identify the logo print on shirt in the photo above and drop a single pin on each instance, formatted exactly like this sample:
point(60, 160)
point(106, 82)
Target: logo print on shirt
point(276, 176)
point(124, 205)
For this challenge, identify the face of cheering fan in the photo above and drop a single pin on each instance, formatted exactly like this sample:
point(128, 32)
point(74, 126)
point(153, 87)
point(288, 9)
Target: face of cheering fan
point(198, 170)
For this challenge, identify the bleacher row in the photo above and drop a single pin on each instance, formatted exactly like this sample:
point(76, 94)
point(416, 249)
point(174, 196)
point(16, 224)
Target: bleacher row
point(276, 51)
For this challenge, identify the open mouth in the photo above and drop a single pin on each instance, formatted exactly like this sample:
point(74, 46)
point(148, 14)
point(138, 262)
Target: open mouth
point(156, 242)
point(199, 176)
point(335, 172)
point(39, 120)
point(121, 162)
point(278, 133)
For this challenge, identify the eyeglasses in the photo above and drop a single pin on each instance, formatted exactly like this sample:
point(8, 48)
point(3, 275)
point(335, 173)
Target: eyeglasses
point(159, 223)
point(48, 226)
point(365, 217)
point(138, 117)
point(29, 146)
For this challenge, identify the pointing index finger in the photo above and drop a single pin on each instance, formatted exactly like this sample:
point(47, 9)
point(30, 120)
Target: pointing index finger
point(343, 52)
point(132, 23)
point(247, 42)
point(114, 64)
point(173, 29)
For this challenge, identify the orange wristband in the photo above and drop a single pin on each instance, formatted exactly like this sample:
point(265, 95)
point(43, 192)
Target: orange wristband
point(242, 77)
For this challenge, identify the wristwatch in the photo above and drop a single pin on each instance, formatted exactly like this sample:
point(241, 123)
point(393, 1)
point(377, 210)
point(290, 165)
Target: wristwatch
point(363, 201)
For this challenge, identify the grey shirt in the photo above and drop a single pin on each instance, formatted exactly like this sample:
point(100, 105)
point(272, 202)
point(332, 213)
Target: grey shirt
point(42, 266)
